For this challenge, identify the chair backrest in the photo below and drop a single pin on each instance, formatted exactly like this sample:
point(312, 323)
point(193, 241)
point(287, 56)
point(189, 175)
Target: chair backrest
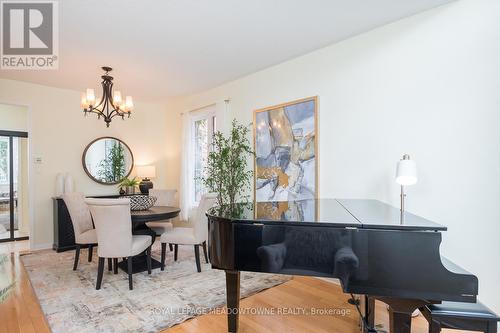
point(163, 197)
point(200, 221)
point(113, 224)
point(79, 213)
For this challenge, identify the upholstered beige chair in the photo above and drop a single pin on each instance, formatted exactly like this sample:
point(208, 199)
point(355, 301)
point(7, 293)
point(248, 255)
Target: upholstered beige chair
point(113, 223)
point(85, 234)
point(163, 198)
point(196, 234)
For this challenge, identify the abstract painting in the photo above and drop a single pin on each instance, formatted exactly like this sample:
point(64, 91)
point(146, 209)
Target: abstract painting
point(286, 161)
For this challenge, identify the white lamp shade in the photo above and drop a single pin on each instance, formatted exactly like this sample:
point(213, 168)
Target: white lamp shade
point(146, 171)
point(129, 103)
point(90, 96)
point(117, 98)
point(406, 172)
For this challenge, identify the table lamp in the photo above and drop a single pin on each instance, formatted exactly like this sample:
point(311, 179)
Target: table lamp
point(406, 174)
point(145, 172)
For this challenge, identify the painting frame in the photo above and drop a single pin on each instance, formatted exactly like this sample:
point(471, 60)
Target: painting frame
point(314, 99)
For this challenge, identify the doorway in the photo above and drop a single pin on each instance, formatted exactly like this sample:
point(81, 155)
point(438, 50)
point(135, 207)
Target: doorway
point(14, 212)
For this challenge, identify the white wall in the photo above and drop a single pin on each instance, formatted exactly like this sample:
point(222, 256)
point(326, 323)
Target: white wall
point(13, 118)
point(428, 85)
point(59, 133)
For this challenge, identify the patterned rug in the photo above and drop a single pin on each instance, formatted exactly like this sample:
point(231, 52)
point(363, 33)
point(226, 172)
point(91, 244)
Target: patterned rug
point(160, 300)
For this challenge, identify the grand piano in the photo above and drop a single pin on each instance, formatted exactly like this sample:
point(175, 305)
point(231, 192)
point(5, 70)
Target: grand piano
point(360, 242)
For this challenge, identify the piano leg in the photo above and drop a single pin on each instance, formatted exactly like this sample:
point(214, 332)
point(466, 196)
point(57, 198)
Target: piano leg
point(399, 321)
point(400, 311)
point(233, 300)
point(370, 310)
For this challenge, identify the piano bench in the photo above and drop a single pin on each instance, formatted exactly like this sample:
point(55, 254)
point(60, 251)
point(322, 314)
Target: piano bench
point(460, 316)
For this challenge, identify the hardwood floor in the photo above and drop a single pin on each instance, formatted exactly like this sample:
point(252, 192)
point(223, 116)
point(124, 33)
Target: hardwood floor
point(21, 312)
point(301, 292)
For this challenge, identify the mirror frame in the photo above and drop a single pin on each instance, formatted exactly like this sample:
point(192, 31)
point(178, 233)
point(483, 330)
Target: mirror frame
point(85, 166)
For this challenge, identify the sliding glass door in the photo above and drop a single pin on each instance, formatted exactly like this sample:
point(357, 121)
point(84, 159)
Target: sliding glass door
point(13, 186)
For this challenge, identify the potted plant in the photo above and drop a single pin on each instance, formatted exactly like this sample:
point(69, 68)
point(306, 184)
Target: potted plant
point(226, 173)
point(129, 185)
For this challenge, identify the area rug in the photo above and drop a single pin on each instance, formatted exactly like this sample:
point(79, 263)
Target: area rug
point(71, 304)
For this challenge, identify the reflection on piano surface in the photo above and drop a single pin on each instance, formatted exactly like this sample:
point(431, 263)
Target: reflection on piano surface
point(360, 242)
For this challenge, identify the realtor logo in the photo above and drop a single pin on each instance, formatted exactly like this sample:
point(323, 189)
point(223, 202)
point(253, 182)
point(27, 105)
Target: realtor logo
point(29, 34)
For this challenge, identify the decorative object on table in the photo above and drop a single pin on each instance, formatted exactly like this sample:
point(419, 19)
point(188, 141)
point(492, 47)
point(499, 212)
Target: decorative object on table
point(59, 184)
point(68, 183)
point(146, 172)
point(141, 202)
point(286, 151)
point(122, 191)
point(111, 104)
point(129, 185)
point(226, 171)
point(406, 174)
point(107, 160)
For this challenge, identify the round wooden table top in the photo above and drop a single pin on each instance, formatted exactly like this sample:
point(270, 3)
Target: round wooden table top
point(155, 213)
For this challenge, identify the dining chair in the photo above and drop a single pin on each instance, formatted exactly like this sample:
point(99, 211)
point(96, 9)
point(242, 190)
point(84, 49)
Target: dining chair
point(196, 234)
point(85, 234)
point(163, 198)
point(114, 234)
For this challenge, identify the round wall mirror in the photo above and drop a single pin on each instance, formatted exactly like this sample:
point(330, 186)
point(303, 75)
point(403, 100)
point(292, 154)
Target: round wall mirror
point(107, 160)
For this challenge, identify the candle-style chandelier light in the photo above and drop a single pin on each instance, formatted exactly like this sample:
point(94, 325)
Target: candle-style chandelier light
point(111, 104)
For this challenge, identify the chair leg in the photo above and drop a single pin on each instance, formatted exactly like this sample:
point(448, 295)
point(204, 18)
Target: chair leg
point(100, 271)
point(170, 247)
point(110, 265)
point(148, 259)
point(91, 248)
point(77, 257)
point(176, 248)
point(163, 253)
point(129, 266)
point(197, 257)
point(115, 265)
point(205, 251)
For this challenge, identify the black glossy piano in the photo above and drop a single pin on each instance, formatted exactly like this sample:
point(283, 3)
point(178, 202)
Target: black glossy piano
point(360, 242)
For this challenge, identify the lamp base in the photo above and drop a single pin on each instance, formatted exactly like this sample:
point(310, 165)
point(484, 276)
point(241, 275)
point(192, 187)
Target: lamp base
point(145, 185)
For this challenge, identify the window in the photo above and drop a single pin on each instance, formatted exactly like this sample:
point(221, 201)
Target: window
point(203, 127)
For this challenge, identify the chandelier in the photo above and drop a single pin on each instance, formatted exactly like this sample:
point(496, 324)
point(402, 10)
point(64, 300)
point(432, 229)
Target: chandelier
point(111, 104)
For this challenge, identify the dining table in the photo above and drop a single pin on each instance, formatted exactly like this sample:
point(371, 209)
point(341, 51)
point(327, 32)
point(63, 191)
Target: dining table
point(139, 227)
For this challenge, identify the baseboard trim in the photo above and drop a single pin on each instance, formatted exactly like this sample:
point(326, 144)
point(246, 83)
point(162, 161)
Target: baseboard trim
point(43, 246)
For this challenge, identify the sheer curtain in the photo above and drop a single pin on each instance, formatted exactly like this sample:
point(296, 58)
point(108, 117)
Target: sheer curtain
point(185, 190)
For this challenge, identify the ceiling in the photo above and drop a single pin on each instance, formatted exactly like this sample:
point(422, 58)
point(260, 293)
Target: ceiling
point(166, 48)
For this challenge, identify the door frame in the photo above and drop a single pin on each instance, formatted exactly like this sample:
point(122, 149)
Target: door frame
point(11, 135)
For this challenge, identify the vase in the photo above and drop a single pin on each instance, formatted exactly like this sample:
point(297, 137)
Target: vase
point(68, 184)
point(129, 190)
point(59, 184)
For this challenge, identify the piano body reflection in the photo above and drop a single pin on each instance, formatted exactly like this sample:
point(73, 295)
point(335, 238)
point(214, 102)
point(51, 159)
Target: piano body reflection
point(360, 242)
